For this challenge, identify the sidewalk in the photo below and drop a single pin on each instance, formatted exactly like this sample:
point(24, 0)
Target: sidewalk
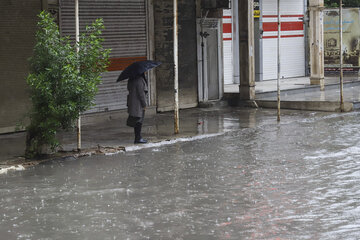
point(297, 93)
point(112, 134)
point(290, 84)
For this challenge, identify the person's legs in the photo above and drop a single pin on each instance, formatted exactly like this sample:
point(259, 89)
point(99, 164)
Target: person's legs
point(137, 130)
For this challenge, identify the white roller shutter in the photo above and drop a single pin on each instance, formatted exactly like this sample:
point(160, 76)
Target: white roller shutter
point(227, 47)
point(292, 48)
point(125, 34)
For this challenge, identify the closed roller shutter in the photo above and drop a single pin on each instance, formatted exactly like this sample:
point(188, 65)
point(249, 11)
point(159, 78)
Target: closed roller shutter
point(227, 47)
point(125, 34)
point(292, 46)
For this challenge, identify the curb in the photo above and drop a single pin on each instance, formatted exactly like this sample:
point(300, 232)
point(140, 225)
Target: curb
point(22, 164)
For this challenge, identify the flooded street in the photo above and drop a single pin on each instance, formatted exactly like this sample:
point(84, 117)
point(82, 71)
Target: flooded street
point(299, 179)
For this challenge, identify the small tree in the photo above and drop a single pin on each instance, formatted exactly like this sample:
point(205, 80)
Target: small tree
point(346, 3)
point(62, 81)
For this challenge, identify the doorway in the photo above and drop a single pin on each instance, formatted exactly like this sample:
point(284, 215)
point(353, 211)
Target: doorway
point(209, 60)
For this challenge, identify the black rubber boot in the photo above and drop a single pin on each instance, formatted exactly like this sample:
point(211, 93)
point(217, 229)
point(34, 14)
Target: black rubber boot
point(138, 138)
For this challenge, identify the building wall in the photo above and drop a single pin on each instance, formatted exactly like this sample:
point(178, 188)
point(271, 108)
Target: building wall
point(163, 16)
point(17, 37)
point(18, 20)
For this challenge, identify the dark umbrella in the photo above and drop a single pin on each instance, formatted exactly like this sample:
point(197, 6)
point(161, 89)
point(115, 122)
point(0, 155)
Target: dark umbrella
point(137, 68)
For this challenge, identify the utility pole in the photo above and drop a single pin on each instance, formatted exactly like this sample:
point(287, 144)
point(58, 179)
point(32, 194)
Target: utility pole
point(176, 70)
point(341, 58)
point(77, 33)
point(278, 59)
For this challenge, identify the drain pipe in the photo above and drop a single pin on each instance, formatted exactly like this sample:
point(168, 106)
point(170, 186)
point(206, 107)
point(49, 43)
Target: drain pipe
point(341, 58)
point(203, 35)
point(278, 58)
point(77, 33)
point(176, 70)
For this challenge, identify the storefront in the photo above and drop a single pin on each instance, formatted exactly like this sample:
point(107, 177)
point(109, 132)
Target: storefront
point(125, 34)
point(292, 43)
point(350, 41)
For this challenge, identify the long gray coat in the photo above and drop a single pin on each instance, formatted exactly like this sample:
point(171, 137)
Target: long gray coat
point(136, 100)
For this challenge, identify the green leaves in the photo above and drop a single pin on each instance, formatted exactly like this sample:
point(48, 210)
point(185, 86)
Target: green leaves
point(63, 82)
point(346, 3)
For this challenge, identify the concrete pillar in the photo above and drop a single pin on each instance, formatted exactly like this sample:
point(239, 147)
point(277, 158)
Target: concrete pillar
point(316, 43)
point(246, 49)
point(188, 73)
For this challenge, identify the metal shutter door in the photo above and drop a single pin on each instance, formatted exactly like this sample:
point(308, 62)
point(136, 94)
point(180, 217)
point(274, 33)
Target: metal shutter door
point(292, 48)
point(125, 35)
point(227, 47)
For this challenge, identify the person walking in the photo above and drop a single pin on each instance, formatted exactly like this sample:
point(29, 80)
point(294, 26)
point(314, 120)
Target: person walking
point(136, 103)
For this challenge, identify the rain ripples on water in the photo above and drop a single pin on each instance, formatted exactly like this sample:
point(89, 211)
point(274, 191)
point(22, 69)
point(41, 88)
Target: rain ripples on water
point(296, 180)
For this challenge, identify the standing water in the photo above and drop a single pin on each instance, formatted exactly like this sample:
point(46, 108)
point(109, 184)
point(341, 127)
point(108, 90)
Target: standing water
point(299, 179)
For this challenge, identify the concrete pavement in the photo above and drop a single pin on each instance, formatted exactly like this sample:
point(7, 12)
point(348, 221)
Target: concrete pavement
point(297, 93)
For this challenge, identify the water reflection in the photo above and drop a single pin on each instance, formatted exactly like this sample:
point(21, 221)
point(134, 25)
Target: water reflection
point(294, 180)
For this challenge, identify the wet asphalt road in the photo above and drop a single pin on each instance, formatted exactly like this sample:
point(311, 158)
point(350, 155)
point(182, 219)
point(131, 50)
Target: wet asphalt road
point(299, 179)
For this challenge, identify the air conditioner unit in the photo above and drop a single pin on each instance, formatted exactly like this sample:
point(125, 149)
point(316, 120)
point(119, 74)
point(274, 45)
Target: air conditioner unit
point(213, 4)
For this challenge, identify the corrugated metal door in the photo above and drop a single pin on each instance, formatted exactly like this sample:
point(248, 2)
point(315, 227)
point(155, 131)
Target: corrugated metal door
point(292, 47)
point(125, 34)
point(227, 47)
